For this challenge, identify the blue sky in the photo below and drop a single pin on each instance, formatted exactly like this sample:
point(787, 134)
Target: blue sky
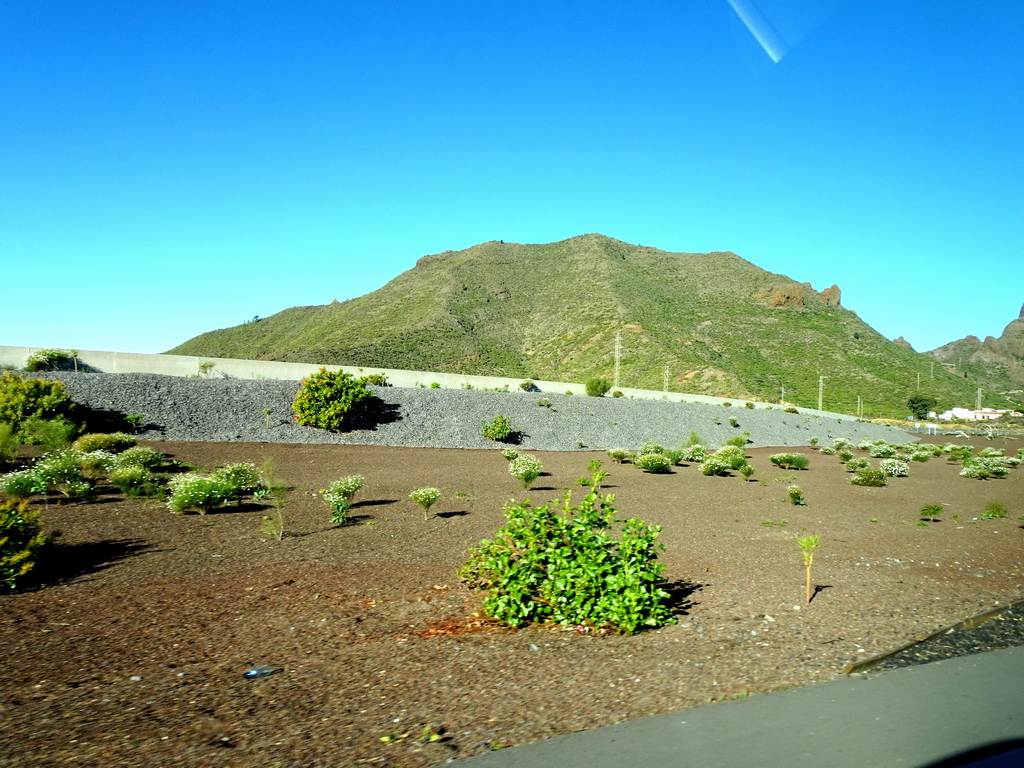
point(171, 168)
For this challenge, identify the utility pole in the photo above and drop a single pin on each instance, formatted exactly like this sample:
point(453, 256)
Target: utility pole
point(782, 398)
point(618, 354)
point(918, 379)
point(666, 378)
point(821, 390)
point(977, 406)
point(932, 374)
point(860, 408)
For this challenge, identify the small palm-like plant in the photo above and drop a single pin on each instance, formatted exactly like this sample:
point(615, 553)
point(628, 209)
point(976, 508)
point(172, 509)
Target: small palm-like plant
point(807, 546)
point(426, 498)
point(931, 511)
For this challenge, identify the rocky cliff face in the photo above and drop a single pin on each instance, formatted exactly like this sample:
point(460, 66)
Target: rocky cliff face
point(998, 362)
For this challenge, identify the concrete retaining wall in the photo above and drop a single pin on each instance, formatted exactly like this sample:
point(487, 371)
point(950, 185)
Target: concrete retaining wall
point(186, 365)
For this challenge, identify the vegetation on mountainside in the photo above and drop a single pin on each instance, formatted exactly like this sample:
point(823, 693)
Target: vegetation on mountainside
point(554, 311)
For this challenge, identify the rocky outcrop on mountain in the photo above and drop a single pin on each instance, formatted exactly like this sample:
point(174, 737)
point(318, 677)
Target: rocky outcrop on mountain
point(790, 296)
point(995, 362)
point(832, 296)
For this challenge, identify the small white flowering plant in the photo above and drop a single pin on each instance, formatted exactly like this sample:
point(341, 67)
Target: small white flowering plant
point(338, 496)
point(426, 498)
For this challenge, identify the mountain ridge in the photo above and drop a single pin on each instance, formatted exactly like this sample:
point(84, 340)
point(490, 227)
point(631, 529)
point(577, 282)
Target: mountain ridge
point(711, 323)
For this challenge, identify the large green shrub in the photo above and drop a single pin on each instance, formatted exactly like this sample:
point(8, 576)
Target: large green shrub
point(22, 397)
point(327, 399)
point(869, 476)
point(21, 538)
point(653, 462)
point(199, 493)
point(130, 480)
point(10, 443)
point(566, 566)
point(499, 428)
point(598, 387)
point(139, 456)
point(790, 460)
point(95, 441)
point(49, 360)
point(22, 484)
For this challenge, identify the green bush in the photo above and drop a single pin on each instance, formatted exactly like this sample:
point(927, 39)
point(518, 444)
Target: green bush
point(375, 379)
point(982, 469)
point(499, 428)
point(619, 455)
point(738, 441)
point(21, 539)
point(747, 470)
point(10, 443)
point(99, 441)
point(674, 456)
point(714, 465)
point(598, 387)
point(49, 360)
point(60, 471)
point(197, 492)
point(653, 462)
point(51, 434)
point(339, 494)
point(694, 452)
point(139, 456)
point(527, 385)
point(749, 405)
point(994, 510)
point(327, 399)
point(790, 460)
point(960, 453)
point(509, 453)
point(22, 484)
point(845, 455)
point(133, 480)
point(869, 476)
point(894, 467)
point(526, 468)
point(617, 393)
point(22, 397)
point(241, 478)
point(828, 451)
point(650, 447)
point(800, 461)
point(568, 567)
point(791, 409)
point(93, 464)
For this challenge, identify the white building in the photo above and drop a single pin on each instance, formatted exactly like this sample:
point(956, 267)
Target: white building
point(985, 414)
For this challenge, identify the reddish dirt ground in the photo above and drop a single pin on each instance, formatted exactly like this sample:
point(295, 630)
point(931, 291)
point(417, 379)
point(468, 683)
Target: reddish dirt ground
point(130, 648)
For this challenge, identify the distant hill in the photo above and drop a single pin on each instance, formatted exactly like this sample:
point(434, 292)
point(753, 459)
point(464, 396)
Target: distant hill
point(996, 364)
point(716, 323)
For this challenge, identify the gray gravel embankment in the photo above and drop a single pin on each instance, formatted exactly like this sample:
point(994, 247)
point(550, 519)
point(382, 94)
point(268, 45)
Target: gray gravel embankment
point(226, 410)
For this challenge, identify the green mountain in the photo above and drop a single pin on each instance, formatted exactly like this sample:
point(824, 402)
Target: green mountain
point(712, 323)
point(996, 364)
